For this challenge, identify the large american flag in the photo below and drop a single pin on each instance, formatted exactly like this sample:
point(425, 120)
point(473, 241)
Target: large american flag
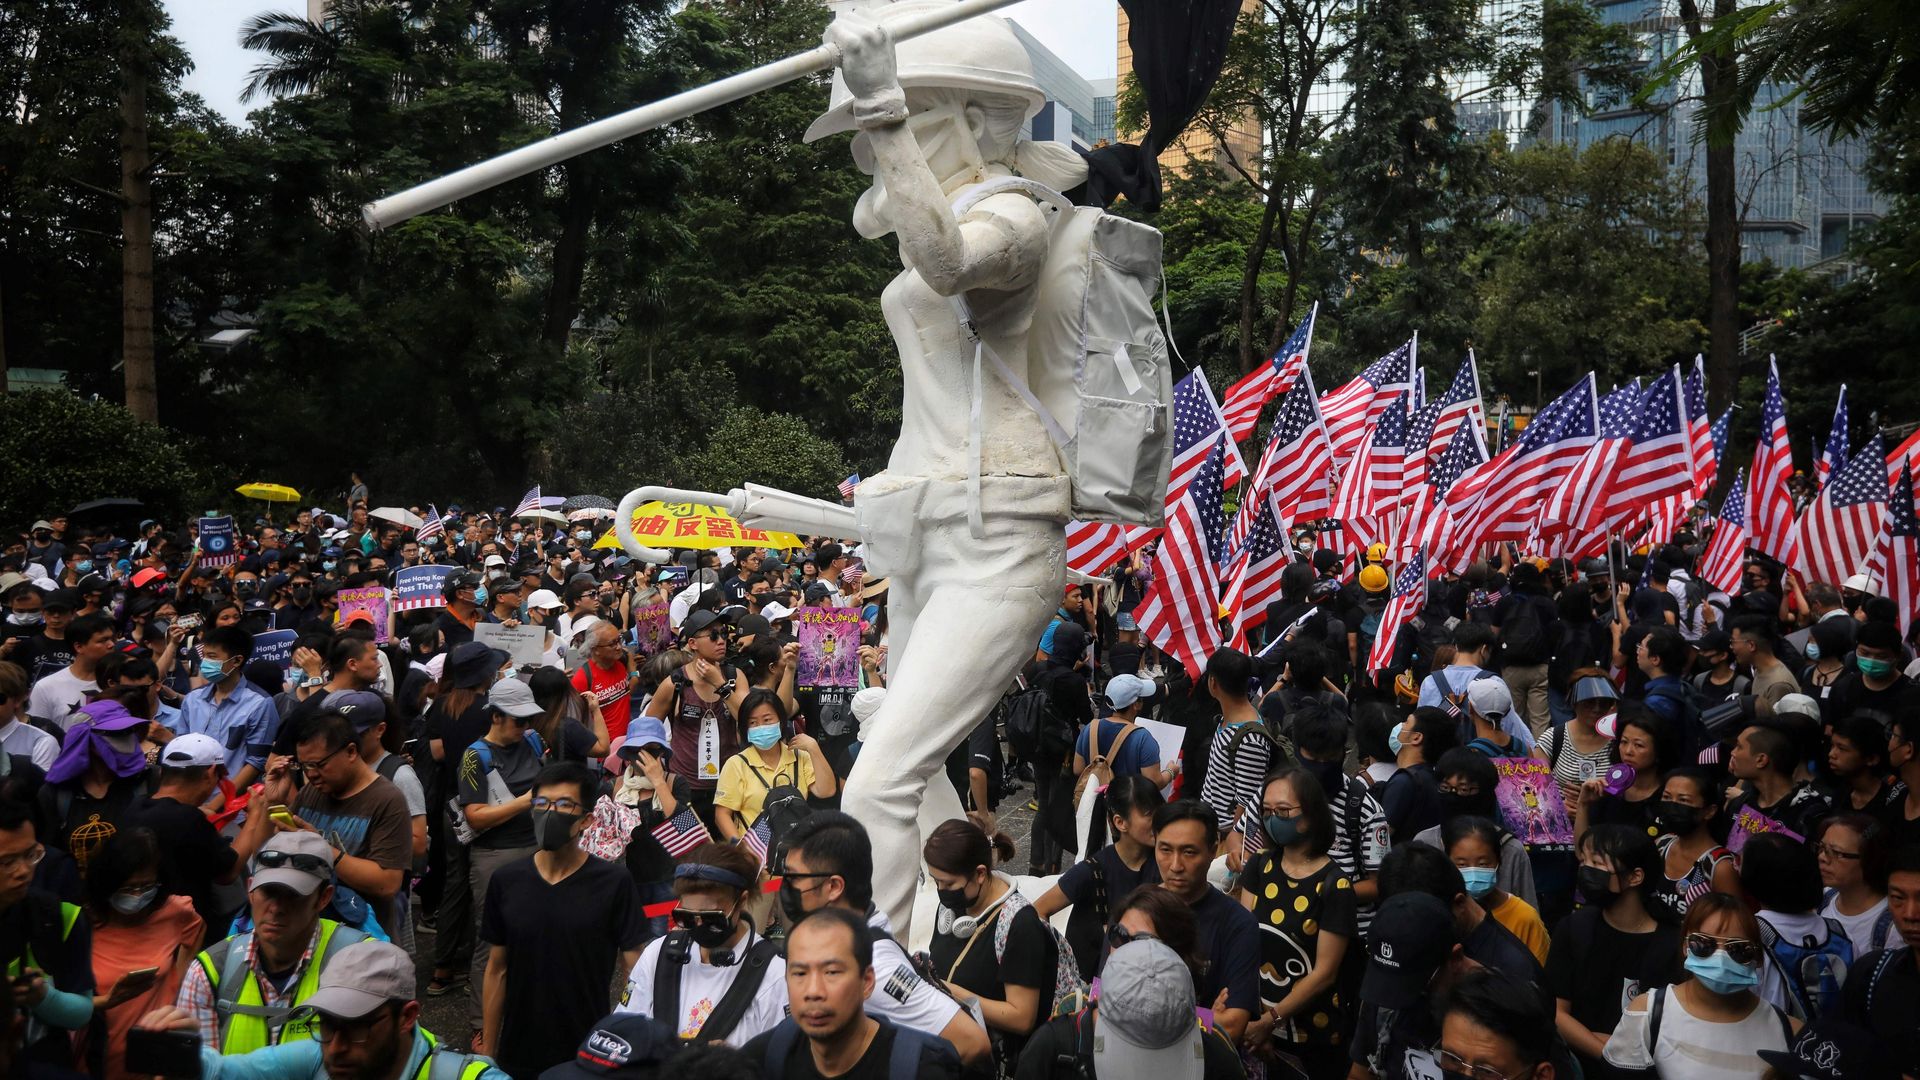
point(1899, 555)
point(1658, 462)
point(528, 502)
point(1507, 491)
point(1254, 576)
point(1197, 426)
point(1180, 613)
point(1834, 455)
point(1373, 481)
point(1577, 507)
point(432, 527)
point(1409, 598)
point(681, 833)
point(1838, 532)
point(1350, 409)
point(1296, 469)
point(1769, 503)
point(1722, 430)
point(1429, 520)
point(1247, 397)
point(1431, 425)
point(1094, 546)
point(1726, 553)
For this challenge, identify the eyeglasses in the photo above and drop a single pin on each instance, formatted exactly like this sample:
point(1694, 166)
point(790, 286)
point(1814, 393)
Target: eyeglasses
point(355, 1032)
point(269, 859)
point(1829, 851)
point(29, 858)
point(1454, 1065)
point(1118, 935)
point(315, 766)
point(1739, 950)
point(565, 806)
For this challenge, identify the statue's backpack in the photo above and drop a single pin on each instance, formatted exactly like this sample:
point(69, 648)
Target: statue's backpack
point(1102, 380)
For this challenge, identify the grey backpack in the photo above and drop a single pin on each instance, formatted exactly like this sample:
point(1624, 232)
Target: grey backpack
point(1102, 380)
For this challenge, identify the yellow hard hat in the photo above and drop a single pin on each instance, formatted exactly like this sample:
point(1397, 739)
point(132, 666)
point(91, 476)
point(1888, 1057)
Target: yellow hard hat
point(1373, 578)
point(1376, 553)
point(1404, 690)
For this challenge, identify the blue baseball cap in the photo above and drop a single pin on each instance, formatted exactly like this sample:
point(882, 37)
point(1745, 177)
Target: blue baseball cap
point(644, 731)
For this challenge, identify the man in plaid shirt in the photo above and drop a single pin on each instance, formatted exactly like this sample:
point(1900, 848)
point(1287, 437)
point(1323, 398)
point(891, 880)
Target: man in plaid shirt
point(278, 963)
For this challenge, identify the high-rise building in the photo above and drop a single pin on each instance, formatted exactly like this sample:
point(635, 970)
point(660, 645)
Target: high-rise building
point(1242, 143)
point(1070, 116)
point(1801, 194)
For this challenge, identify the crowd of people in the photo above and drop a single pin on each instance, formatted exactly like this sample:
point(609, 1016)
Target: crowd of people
point(627, 858)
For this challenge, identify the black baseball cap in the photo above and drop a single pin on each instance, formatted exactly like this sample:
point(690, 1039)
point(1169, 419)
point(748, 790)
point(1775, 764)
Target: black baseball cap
point(698, 622)
point(1411, 936)
point(624, 1044)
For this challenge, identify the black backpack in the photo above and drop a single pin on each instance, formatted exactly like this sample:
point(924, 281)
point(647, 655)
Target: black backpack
point(676, 951)
point(1035, 730)
point(1523, 636)
point(784, 807)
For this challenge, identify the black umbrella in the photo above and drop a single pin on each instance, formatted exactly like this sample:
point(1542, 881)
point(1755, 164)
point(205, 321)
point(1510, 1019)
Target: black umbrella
point(106, 509)
point(587, 502)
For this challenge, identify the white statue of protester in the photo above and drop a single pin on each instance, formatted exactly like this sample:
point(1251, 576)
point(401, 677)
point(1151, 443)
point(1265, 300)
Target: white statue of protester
point(976, 570)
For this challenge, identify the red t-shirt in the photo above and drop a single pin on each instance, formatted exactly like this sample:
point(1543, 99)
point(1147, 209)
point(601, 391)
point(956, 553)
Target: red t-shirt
point(615, 693)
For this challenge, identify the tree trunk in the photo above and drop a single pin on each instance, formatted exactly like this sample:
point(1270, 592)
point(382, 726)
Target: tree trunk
point(3, 336)
point(1718, 75)
point(570, 255)
point(1250, 283)
point(136, 244)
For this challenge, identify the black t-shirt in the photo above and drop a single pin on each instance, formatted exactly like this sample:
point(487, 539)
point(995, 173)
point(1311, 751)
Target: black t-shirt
point(561, 940)
point(1493, 945)
point(1620, 810)
point(1060, 1038)
point(1384, 1040)
point(456, 734)
point(193, 855)
point(287, 739)
point(1797, 810)
point(1087, 922)
point(80, 824)
point(1598, 970)
point(1887, 1005)
point(1651, 606)
point(1230, 944)
point(938, 1061)
point(647, 861)
point(1895, 700)
point(518, 764)
point(40, 656)
point(1030, 960)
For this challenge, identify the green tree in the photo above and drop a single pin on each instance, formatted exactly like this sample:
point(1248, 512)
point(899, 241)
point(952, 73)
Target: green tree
point(81, 449)
point(776, 449)
point(1596, 269)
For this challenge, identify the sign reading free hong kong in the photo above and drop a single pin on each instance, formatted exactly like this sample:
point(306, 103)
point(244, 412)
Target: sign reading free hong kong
point(693, 525)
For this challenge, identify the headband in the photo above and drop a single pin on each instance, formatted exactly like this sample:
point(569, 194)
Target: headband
point(716, 874)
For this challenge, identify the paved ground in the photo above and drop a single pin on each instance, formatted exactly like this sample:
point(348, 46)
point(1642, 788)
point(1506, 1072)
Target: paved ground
point(446, 1016)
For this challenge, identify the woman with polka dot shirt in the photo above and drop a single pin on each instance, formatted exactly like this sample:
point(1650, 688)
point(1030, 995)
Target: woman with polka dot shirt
point(1306, 910)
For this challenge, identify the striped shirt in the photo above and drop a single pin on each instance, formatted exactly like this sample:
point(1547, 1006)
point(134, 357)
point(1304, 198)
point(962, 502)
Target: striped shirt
point(1575, 766)
point(1234, 772)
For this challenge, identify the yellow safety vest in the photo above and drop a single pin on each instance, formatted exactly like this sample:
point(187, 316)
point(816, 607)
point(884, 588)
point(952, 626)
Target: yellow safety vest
point(69, 914)
point(236, 989)
point(441, 1064)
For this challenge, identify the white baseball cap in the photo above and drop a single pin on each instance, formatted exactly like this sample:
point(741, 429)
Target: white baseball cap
point(775, 611)
point(1490, 698)
point(192, 751)
point(544, 600)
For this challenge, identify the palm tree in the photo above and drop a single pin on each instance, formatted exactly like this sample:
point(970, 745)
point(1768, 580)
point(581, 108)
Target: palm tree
point(304, 52)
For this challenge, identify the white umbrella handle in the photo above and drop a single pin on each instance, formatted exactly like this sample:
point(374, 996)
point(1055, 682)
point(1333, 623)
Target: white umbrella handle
point(623, 517)
point(398, 207)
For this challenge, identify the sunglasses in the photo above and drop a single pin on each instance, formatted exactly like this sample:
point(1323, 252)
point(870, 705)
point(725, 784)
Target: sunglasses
point(684, 919)
point(1739, 950)
point(306, 864)
point(1118, 935)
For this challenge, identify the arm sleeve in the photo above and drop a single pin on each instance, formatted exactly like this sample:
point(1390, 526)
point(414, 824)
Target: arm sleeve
point(638, 996)
point(1242, 974)
point(493, 921)
point(728, 791)
point(390, 834)
point(63, 1009)
point(1516, 872)
point(300, 1057)
point(1340, 909)
point(1073, 883)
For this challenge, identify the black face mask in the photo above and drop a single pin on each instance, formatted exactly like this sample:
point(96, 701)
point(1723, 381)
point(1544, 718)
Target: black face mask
point(1596, 885)
point(303, 595)
point(955, 900)
point(792, 901)
point(1333, 779)
point(1452, 806)
point(1677, 817)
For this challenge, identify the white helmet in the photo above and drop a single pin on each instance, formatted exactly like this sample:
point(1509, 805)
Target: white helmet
point(981, 54)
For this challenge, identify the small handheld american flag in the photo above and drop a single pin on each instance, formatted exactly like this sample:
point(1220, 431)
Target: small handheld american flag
point(758, 838)
point(432, 527)
point(681, 833)
point(847, 486)
point(528, 502)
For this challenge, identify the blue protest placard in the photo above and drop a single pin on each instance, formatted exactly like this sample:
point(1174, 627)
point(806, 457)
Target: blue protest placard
point(218, 543)
point(275, 645)
point(418, 587)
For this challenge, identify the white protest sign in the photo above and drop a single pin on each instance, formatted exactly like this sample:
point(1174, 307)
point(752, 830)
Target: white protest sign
point(523, 644)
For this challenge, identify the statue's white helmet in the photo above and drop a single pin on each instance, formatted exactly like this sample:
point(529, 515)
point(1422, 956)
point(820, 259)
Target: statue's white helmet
point(980, 54)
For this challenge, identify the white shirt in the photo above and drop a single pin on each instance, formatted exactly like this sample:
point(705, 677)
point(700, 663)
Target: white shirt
point(19, 737)
point(1694, 1049)
point(1859, 927)
point(55, 697)
point(702, 985)
point(899, 993)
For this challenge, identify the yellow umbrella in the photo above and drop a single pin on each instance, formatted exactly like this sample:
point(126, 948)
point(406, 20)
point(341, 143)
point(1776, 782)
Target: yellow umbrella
point(693, 525)
point(269, 492)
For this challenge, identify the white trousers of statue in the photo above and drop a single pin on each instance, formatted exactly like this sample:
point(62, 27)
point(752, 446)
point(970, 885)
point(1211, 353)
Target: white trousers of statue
point(963, 615)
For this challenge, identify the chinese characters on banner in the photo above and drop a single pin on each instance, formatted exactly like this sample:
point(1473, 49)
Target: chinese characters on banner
point(829, 647)
point(373, 601)
point(692, 525)
point(1529, 801)
point(651, 631)
point(1750, 823)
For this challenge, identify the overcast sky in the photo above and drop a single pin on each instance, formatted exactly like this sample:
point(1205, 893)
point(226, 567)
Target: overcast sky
point(1080, 31)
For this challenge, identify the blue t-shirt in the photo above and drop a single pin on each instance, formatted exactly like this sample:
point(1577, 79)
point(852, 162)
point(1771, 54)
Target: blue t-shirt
point(1139, 751)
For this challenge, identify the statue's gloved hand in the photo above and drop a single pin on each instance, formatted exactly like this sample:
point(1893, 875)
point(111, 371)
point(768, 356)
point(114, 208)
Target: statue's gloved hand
point(867, 65)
